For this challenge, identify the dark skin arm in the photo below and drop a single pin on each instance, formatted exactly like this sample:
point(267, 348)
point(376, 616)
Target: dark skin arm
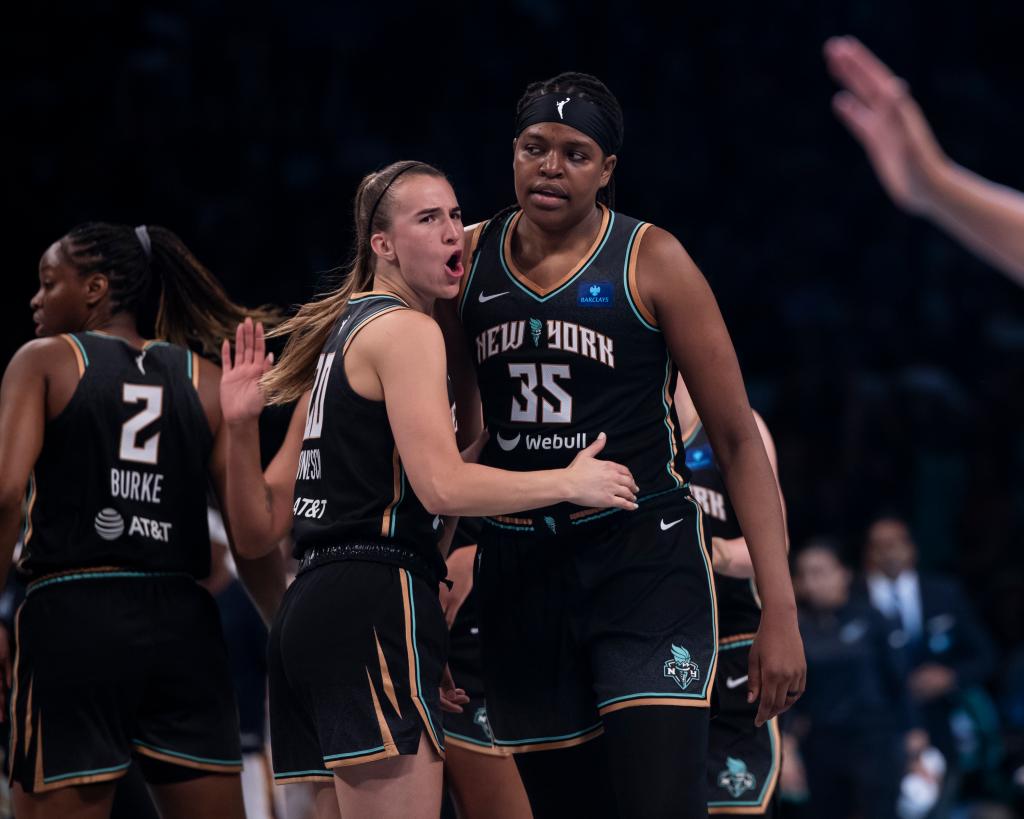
point(38, 383)
point(263, 577)
point(678, 296)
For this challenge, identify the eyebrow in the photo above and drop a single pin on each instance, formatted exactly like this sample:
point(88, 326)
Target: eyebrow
point(535, 134)
point(429, 211)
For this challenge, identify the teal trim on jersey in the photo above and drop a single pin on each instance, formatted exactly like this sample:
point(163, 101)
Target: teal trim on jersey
point(81, 347)
point(67, 578)
point(668, 426)
point(464, 738)
point(416, 657)
point(740, 644)
point(625, 280)
point(580, 272)
point(561, 737)
point(764, 785)
point(693, 435)
point(156, 342)
point(289, 774)
point(393, 526)
point(351, 754)
point(188, 353)
point(227, 763)
point(94, 772)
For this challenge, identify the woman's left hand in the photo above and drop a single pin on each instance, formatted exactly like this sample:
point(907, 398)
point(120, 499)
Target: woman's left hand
point(452, 698)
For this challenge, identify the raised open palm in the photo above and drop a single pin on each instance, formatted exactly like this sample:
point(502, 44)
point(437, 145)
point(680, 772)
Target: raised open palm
point(241, 397)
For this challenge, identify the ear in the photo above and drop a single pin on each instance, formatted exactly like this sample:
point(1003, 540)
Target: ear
point(610, 162)
point(382, 245)
point(97, 287)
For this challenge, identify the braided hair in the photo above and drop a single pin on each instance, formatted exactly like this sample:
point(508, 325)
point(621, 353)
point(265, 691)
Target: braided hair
point(154, 277)
point(586, 87)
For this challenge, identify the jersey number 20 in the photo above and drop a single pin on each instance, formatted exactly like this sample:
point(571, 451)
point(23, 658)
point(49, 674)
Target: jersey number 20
point(152, 400)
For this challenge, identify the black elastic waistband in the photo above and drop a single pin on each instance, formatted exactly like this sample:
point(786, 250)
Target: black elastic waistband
point(393, 554)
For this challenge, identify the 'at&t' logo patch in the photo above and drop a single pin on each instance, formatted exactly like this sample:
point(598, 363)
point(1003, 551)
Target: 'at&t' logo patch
point(596, 294)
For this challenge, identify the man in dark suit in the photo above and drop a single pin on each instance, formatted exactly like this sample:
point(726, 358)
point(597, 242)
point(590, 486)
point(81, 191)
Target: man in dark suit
point(948, 648)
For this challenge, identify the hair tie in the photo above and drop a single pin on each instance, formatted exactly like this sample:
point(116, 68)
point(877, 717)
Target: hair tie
point(143, 236)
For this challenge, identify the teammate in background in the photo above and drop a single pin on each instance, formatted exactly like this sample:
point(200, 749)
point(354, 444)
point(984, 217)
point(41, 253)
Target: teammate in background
point(482, 778)
point(877, 108)
point(743, 760)
point(119, 651)
point(368, 466)
point(576, 319)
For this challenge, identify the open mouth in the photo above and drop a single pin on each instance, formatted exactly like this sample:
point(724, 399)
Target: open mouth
point(454, 264)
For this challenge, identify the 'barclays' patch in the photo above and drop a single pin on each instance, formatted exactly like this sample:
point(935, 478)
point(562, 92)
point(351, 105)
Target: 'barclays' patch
point(596, 294)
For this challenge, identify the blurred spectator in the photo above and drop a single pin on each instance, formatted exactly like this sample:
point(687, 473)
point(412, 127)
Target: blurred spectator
point(950, 653)
point(853, 727)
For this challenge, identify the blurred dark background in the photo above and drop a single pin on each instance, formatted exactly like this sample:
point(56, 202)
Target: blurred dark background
point(887, 361)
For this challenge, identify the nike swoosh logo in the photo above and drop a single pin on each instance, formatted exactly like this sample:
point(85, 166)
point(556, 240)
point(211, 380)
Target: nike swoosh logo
point(484, 299)
point(508, 444)
point(666, 526)
point(736, 682)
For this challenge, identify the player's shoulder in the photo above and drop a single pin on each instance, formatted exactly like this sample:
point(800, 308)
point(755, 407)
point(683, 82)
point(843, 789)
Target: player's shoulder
point(42, 354)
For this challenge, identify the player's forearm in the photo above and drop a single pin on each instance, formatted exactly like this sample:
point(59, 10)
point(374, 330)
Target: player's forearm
point(250, 501)
point(472, 490)
point(731, 557)
point(751, 484)
point(264, 579)
point(985, 216)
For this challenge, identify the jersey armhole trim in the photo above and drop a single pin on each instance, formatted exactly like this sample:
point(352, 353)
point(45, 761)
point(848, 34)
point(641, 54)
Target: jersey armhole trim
point(193, 369)
point(629, 278)
point(81, 356)
point(464, 284)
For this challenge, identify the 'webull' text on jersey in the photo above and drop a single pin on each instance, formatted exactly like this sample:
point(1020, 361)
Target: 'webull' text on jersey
point(558, 366)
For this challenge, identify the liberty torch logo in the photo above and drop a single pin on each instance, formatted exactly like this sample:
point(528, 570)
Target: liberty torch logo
point(736, 779)
point(681, 667)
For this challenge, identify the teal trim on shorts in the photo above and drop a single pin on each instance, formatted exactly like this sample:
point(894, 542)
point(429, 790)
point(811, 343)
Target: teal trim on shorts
point(94, 772)
point(559, 738)
point(639, 500)
point(351, 754)
point(464, 738)
point(67, 578)
point(290, 774)
point(572, 280)
point(81, 349)
point(625, 280)
point(512, 527)
point(438, 738)
point(740, 644)
point(233, 763)
point(647, 694)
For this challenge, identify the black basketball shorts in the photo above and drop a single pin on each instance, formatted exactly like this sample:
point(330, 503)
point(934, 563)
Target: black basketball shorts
point(617, 613)
point(112, 663)
point(743, 760)
point(355, 661)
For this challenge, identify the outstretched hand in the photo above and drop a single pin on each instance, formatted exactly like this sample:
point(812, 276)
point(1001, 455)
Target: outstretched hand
point(600, 484)
point(241, 397)
point(877, 108)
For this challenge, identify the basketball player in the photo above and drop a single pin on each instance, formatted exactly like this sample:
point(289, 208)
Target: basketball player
point(743, 760)
point(876, 107)
point(481, 777)
point(119, 651)
point(368, 467)
point(576, 319)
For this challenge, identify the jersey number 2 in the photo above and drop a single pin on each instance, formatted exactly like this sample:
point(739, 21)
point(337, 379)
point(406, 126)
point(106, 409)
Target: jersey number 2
point(152, 399)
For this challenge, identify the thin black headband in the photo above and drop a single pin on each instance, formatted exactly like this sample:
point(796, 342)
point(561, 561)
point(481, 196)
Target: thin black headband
point(581, 114)
point(373, 211)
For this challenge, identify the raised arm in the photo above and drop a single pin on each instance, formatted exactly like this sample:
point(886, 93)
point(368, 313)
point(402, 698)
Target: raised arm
point(258, 504)
point(405, 351)
point(677, 295)
point(876, 107)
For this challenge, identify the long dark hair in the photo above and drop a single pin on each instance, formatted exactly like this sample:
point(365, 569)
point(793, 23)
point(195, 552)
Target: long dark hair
point(309, 328)
point(154, 277)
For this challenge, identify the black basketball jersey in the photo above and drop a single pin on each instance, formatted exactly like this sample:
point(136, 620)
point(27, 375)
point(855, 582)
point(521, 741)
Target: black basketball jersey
point(739, 608)
point(558, 366)
point(351, 486)
point(122, 477)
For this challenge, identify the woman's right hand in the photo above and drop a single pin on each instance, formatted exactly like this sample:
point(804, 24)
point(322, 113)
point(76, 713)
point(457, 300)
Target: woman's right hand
point(600, 484)
point(241, 397)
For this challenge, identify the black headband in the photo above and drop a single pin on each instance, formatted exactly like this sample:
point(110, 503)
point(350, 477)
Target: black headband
point(581, 114)
point(373, 211)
